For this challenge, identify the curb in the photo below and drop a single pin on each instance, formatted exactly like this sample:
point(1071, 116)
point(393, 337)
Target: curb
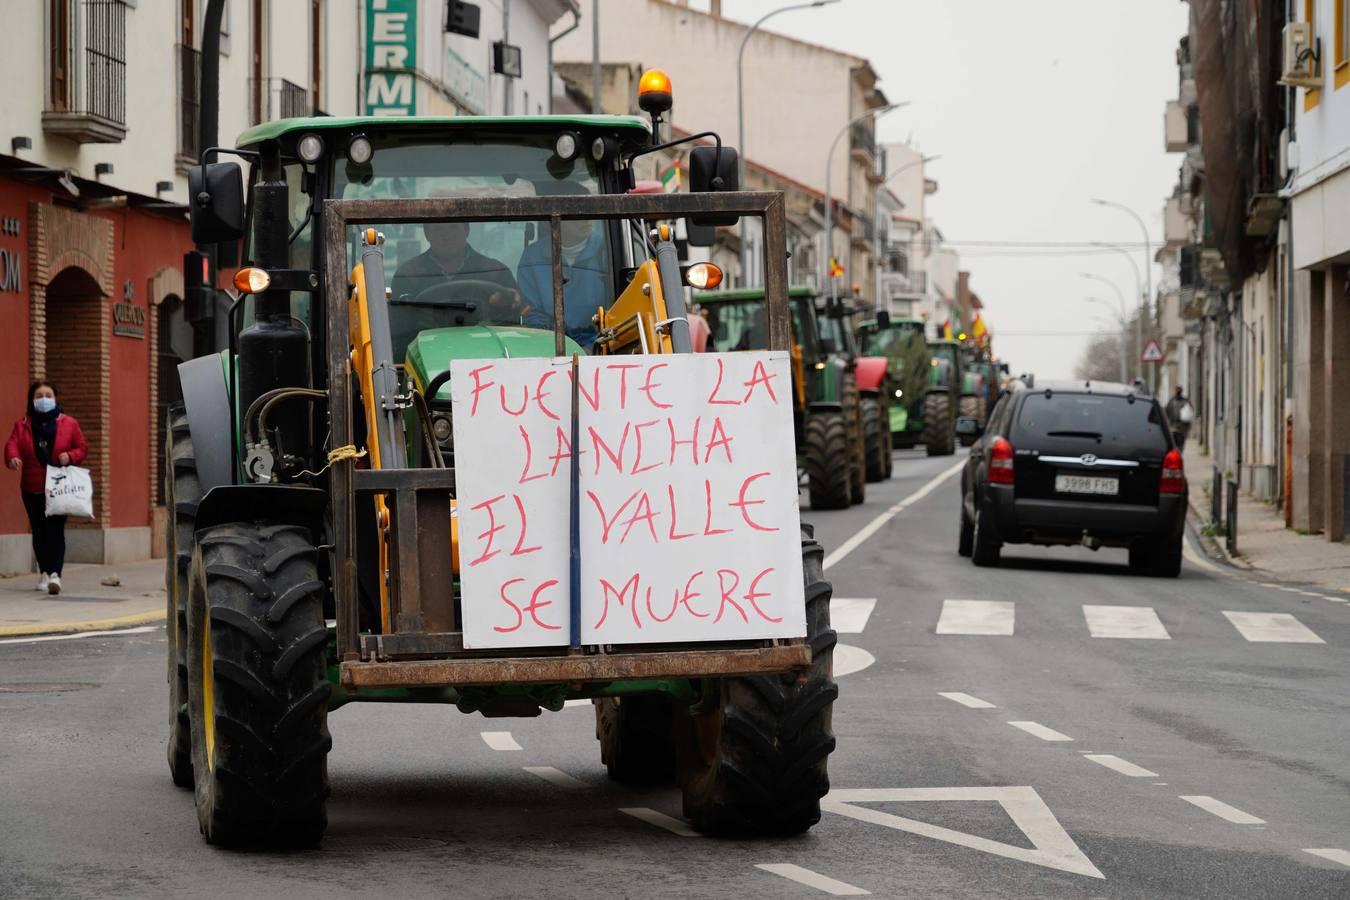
point(131, 621)
point(1213, 547)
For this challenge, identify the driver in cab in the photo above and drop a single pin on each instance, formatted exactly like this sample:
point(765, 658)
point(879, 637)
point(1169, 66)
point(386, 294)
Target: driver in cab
point(451, 259)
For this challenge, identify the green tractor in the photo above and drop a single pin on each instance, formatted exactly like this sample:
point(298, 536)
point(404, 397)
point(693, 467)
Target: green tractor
point(953, 391)
point(314, 539)
point(979, 390)
point(828, 416)
point(901, 342)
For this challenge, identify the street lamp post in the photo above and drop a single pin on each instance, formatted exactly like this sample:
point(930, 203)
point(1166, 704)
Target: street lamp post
point(829, 197)
point(740, 112)
point(1120, 296)
point(1138, 292)
point(877, 248)
point(1148, 260)
point(1124, 328)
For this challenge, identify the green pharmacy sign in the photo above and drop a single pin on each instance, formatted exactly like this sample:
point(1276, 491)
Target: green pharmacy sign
point(391, 57)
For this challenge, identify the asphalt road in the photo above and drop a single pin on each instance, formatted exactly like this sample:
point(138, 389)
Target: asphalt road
point(933, 795)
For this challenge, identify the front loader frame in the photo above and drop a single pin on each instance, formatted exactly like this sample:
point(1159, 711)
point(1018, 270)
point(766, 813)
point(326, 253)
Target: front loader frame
point(425, 647)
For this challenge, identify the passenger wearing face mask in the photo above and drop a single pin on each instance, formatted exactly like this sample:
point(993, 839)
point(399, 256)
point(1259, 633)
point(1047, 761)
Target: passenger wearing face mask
point(45, 437)
point(586, 276)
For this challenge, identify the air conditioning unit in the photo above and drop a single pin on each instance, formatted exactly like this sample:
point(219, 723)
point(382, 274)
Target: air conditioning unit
point(1302, 57)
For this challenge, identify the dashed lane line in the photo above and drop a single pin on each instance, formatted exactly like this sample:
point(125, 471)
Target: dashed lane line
point(813, 879)
point(1281, 628)
point(1036, 729)
point(966, 700)
point(556, 777)
point(1222, 810)
point(661, 820)
point(849, 615)
point(875, 525)
point(1336, 856)
point(976, 617)
point(500, 740)
point(1123, 766)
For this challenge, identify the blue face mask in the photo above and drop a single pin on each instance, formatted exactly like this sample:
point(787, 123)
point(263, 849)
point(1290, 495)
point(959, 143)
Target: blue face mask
point(44, 405)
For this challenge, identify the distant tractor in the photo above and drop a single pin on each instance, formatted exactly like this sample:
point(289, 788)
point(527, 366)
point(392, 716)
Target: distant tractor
point(901, 342)
point(828, 417)
point(839, 325)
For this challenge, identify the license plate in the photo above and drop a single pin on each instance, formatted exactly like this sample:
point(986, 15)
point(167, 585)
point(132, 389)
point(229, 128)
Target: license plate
point(1086, 484)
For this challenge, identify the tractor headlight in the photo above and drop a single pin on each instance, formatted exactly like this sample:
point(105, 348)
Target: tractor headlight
point(899, 393)
point(310, 148)
point(440, 427)
point(565, 145)
point(359, 150)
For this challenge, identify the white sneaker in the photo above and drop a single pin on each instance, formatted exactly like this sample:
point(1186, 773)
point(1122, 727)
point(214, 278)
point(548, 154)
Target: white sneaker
point(42, 583)
point(54, 585)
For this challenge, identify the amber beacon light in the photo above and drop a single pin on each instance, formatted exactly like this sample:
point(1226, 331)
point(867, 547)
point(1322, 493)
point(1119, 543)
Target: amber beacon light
point(654, 95)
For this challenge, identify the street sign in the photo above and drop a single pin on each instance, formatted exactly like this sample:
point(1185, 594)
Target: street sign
point(1153, 353)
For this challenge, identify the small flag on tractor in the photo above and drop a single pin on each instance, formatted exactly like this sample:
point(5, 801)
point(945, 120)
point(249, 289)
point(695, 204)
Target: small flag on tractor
point(836, 269)
point(670, 177)
point(947, 330)
point(978, 329)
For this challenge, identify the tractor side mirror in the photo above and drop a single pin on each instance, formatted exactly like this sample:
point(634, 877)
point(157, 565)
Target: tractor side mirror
point(700, 235)
point(216, 199)
point(713, 172)
point(883, 319)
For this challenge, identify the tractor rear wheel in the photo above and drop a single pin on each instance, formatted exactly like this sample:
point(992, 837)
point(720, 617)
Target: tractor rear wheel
point(939, 430)
point(857, 442)
point(182, 492)
point(877, 438)
point(258, 686)
point(968, 406)
point(636, 739)
point(827, 469)
point(753, 752)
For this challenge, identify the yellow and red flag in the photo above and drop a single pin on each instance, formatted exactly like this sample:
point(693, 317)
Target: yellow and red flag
point(836, 269)
point(978, 329)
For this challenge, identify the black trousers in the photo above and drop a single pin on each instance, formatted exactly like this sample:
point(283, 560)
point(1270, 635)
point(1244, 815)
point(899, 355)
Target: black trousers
point(49, 534)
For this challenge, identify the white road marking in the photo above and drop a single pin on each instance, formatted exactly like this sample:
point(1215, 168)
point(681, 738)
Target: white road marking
point(1336, 856)
point(813, 879)
point(874, 526)
point(556, 777)
point(1279, 628)
point(967, 700)
point(1036, 729)
point(1124, 767)
point(976, 617)
point(661, 820)
point(849, 615)
point(1054, 848)
point(849, 659)
point(83, 634)
point(500, 740)
point(1135, 622)
point(571, 704)
point(1223, 810)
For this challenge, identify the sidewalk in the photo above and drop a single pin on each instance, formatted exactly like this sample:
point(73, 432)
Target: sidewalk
point(1264, 544)
point(85, 602)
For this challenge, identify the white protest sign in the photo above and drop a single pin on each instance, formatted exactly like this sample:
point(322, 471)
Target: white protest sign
point(689, 528)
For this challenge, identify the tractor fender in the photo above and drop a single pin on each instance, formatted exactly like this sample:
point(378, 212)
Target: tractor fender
point(871, 373)
point(206, 397)
point(277, 504)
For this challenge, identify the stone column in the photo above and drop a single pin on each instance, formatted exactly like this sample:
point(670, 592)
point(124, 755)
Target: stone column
point(1336, 396)
point(1309, 417)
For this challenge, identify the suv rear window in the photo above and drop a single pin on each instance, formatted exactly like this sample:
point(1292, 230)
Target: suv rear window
point(1117, 426)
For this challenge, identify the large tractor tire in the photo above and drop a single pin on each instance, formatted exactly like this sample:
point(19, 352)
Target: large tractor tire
point(857, 441)
point(258, 687)
point(636, 738)
point(877, 437)
point(182, 492)
point(968, 405)
point(827, 470)
point(939, 427)
point(753, 751)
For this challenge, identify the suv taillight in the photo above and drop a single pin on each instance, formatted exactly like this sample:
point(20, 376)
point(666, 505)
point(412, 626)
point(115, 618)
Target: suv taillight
point(1173, 474)
point(1001, 462)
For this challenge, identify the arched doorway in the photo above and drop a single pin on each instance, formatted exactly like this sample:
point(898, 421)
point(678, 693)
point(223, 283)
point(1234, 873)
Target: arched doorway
point(76, 363)
point(174, 345)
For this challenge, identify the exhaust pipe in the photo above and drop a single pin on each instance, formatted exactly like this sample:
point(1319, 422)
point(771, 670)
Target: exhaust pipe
point(1091, 542)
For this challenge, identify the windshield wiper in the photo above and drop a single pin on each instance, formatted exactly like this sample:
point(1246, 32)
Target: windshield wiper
point(1095, 435)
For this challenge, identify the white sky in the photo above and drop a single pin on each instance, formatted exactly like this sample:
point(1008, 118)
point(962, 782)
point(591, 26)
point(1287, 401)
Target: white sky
point(1035, 106)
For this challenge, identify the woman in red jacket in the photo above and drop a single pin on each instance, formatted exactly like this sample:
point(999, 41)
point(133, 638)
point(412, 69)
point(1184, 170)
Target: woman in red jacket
point(45, 437)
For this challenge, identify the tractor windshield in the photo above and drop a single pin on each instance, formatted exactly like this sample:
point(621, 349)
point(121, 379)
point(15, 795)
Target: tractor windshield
point(497, 273)
point(743, 325)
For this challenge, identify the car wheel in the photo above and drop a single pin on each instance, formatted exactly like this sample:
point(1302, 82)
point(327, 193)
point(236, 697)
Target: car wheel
point(1166, 561)
point(986, 548)
point(965, 543)
point(1141, 557)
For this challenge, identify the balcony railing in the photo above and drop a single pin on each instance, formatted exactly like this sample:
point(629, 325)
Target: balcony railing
point(92, 108)
point(863, 137)
point(282, 99)
point(189, 101)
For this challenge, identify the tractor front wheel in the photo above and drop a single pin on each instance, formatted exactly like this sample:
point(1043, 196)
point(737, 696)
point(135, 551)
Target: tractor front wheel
point(636, 742)
point(877, 437)
point(827, 469)
point(182, 492)
point(753, 751)
point(258, 686)
point(939, 429)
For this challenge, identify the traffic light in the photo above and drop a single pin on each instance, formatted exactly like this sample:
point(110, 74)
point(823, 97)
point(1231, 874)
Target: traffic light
point(462, 18)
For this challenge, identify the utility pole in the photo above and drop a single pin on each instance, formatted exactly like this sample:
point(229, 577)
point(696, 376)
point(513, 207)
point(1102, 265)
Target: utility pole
point(203, 316)
point(507, 85)
point(829, 197)
point(595, 58)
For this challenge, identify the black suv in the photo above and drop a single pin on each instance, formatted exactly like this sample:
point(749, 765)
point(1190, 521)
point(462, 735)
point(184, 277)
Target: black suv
point(1075, 463)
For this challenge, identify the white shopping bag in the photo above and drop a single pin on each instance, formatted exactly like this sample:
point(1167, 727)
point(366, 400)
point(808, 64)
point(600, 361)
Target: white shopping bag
point(70, 492)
